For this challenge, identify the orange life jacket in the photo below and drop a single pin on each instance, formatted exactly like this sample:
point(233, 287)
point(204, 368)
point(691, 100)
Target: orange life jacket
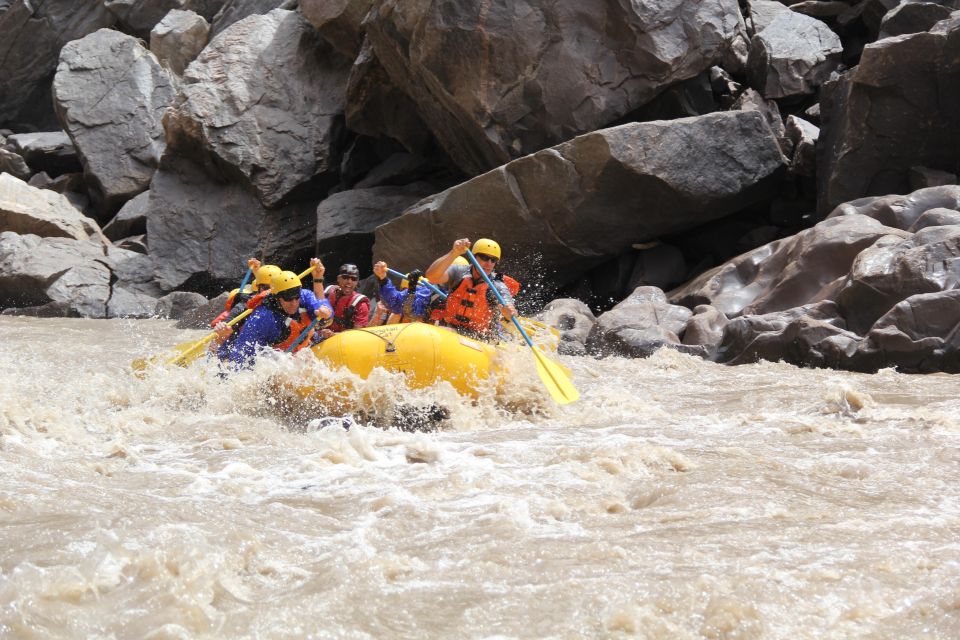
point(292, 328)
point(467, 306)
point(235, 298)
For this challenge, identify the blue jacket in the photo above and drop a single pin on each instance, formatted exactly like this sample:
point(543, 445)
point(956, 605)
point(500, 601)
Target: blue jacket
point(395, 300)
point(264, 328)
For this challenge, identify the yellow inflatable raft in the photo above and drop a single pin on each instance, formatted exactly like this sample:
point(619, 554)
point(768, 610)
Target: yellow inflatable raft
point(424, 352)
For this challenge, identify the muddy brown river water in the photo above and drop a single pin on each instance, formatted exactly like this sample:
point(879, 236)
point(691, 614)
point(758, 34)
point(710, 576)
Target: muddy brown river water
point(677, 499)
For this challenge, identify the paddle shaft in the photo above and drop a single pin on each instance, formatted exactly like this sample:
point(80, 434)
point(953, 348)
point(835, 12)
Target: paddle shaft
point(200, 343)
point(429, 284)
point(516, 323)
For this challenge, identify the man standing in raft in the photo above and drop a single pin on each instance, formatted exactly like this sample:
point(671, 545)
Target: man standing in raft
point(471, 308)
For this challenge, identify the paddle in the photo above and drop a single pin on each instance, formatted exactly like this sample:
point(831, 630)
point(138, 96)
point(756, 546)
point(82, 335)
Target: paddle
point(422, 279)
point(551, 374)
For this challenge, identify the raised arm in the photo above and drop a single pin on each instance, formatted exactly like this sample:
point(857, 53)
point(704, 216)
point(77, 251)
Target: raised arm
point(437, 272)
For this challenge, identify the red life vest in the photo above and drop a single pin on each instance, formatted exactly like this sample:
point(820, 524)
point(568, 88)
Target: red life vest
point(344, 308)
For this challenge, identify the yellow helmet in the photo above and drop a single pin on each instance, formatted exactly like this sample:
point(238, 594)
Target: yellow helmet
point(487, 246)
point(265, 275)
point(462, 261)
point(285, 281)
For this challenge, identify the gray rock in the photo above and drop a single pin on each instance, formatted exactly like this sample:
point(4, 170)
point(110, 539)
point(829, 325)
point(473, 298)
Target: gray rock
point(763, 12)
point(705, 328)
point(899, 108)
point(573, 319)
point(751, 100)
point(922, 177)
point(264, 99)
point(803, 137)
point(338, 21)
point(110, 93)
point(14, 164)
point(570, 207)
point(497, 82)
point(28, 210)
point(902, 212)
point(919, 335)
point(139, 17)
point(912, 17)
point(639, 325)
point(820, 8)
point(78, 276)
point(937, 217)
point(35, 32)
point(812, 336)
point(201, 316)
point(787, 273)
point(178, 39)
point(377, 107)
point(66, 183)
point(130, 220)
point(137, 244)
point(49, 151)
point(896, 268)
point(793, 55)
point(234, 11)
point(347, 220)
point(204, 229)
point(175, 305)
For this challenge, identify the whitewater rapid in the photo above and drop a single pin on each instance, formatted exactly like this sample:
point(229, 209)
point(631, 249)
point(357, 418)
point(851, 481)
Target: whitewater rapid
point(677, 499)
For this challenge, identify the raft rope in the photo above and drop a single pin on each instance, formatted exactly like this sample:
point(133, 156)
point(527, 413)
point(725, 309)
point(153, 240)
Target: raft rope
point(391, 347)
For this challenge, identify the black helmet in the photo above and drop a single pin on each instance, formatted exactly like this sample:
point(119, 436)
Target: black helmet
point(349, 269)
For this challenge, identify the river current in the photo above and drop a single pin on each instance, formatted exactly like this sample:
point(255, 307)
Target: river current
point(677, 499)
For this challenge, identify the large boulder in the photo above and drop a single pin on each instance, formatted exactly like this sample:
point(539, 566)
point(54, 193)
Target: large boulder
point(338, 21)
point(131, 220)
point(203, 229)
point(897, 268)
point(899, 108)
point(63, 276)
point(178, 39)
point(28, 210)
point(265, 100)
point(811, 335)
point(34, 32)
point(49, 151)
point(639, 325)
point(563, 210)
point(376, 107)
point(347, 220)
point(139, 17)
point(912, 17)
point(234, 11)
point(110, 93)
point(902, 212)
point(918, 335)
point(786, 273)
point(792, 56)
point(498, 80)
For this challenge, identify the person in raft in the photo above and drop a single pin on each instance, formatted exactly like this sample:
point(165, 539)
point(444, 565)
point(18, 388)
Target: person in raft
point(409, 303)
point(351, 309)
point(279, 322)
point(252, 295)
point(471, 308)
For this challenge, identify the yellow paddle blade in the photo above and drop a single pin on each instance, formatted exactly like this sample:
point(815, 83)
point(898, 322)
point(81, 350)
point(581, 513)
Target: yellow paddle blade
point(555, 379)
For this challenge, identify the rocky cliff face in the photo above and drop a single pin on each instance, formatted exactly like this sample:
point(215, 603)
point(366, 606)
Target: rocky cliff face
point(785, 171)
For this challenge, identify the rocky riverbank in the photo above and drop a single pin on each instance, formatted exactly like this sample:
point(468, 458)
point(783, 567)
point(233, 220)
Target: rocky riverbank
point(740, 180)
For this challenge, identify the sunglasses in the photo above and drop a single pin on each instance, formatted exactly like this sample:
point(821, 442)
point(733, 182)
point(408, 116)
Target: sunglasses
point(289, 294)
point(486, 258)
point(349, 277)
